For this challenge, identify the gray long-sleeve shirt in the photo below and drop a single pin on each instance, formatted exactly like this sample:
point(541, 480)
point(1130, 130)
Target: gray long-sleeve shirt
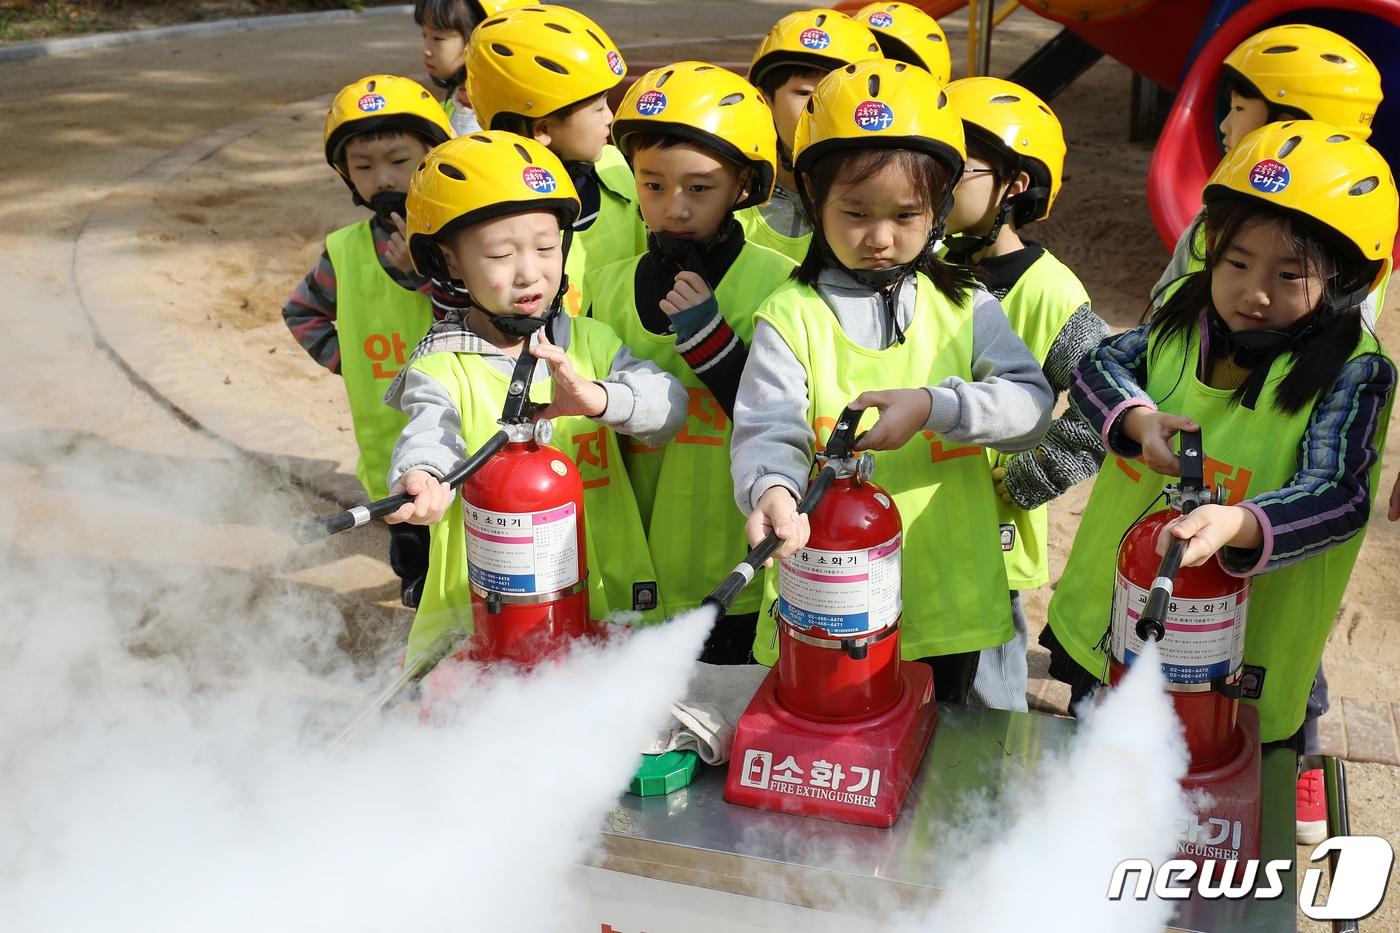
point(1006, 408)
point(643, 401)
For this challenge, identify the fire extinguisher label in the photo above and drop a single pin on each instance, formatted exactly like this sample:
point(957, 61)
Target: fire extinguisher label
point(1204, 640)
point(845, 593)
point(522, 553)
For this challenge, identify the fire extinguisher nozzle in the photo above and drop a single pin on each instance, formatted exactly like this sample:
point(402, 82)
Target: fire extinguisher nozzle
point(1150, 630)
point(723, 596)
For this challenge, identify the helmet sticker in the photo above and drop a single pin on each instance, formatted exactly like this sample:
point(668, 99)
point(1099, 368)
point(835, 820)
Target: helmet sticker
point(538, 180)
point(651, 103)
point(615, 63)
point(1269, 176)
point(873, 116)
point(881, 19)
point(372, 103)
point(814, 39)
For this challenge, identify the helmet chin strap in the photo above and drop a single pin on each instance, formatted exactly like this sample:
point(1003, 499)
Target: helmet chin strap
point(963, 246)
point(884, 281)
point(521, 326)
point(887, 281)
point(459, 77)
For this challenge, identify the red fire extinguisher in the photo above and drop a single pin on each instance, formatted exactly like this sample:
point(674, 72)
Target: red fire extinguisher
point(839, 600)
point(1196, 614)
point(526, 558)
point(839, 597)
point(839, 700)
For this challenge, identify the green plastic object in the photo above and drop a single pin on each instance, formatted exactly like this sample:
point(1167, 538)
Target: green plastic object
point(661, 774)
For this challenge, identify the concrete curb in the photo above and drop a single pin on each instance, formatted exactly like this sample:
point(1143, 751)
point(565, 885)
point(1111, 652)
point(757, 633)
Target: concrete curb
point(45, 47)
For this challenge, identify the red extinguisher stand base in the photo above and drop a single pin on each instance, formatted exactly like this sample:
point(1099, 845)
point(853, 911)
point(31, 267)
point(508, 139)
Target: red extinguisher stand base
point(851, 772)
point(1225, 822)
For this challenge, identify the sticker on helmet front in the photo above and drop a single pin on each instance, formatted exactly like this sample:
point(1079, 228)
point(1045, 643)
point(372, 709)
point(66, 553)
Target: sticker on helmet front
point(881, 20)
point(814, 38)
point(615, 64)
point(873, 115)
point(650, 103)
point(372, 103)
point(1269, 176)
point(538, 180)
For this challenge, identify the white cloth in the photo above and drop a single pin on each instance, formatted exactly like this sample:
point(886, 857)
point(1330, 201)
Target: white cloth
point(704, 720)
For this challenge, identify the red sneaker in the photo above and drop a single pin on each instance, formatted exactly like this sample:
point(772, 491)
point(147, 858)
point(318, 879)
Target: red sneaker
point(1312, 808)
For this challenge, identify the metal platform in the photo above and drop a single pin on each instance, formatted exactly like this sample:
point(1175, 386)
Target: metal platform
point(769, 869)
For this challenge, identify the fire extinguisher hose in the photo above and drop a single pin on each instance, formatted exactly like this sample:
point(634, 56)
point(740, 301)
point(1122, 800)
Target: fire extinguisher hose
point(515, 413)
point(839, 447)
point(1152, 623)
point(414, 671)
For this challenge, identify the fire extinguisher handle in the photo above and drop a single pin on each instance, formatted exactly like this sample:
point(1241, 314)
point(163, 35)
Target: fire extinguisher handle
point(517, 410)
point(723, 596)
point(1152, 623)
point(328, 525)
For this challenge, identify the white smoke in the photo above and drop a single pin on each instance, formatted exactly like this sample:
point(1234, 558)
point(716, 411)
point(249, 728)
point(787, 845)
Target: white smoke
point(1114, 794)
point(163, 719)
point(162, 727)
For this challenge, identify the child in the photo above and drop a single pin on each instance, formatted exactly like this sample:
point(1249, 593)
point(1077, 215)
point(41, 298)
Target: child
point(873, 319)
point(362, 307)
point(701, 143)
point(797, 53)
point(1015, 157)
point(485, 211)
point(908, 34)
point(1289, 72)
point(545, 72)
point(1265, 349)
point(445, 26)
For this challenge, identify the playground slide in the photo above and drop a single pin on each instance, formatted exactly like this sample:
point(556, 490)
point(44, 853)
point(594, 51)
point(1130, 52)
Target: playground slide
point(1189, 146)
point(1180, 44)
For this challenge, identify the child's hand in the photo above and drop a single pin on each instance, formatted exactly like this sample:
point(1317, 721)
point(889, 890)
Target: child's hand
point(999, 483)
point(902, 412)
point(1394, 513)
point(431, 498)
point(397, 250)
point(690, 291)
point(573, 394)
point(1154, 431)
point(1210, 528)
point(777, 509)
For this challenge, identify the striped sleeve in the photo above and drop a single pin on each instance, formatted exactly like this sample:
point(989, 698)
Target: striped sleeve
point(1329, 499)
point(714, 353)
point(310, 315)
point(1108, 382)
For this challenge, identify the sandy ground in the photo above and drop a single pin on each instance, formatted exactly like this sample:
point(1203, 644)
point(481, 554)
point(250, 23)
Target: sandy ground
point(226, 241)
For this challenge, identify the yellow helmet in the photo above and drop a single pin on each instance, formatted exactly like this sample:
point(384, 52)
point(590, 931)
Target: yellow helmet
point(479, 176)
point(1320, 171)
point(908, 34)
point(823, 39)
point(879, 104)
point(382, 102)
point(534, 60)
point(1312, 70)
point(709, 106)
point(1014, 121)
